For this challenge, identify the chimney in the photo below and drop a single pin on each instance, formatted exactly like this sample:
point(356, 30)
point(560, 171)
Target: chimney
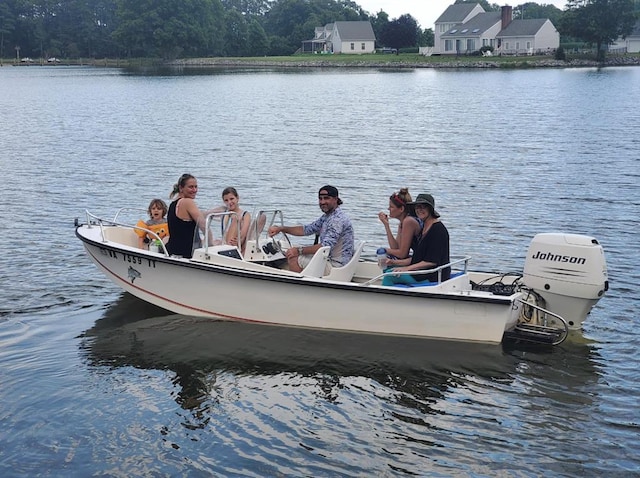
point(507, 15)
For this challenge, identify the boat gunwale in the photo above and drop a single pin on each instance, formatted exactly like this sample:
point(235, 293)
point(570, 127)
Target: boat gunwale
point(299, 280)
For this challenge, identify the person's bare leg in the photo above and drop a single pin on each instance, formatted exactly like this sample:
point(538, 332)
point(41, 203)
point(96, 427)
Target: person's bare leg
point(293, 264)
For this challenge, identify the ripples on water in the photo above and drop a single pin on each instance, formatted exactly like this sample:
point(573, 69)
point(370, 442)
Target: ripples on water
point(95, 382)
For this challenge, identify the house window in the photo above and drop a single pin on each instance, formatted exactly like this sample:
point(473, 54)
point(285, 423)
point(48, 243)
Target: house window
point(517, 45)
point(471, 45)
point(448, 45)
point(528, 45)
point(353, 46)
point(362, 46)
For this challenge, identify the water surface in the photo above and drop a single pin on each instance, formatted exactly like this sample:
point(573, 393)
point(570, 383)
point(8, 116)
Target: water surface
point(94, 382)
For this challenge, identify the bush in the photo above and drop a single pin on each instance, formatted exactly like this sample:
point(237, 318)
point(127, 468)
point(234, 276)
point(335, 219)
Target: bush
point(560, 54)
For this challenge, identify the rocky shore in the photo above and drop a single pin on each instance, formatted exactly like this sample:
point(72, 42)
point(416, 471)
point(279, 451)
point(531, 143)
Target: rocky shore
point(522, 62)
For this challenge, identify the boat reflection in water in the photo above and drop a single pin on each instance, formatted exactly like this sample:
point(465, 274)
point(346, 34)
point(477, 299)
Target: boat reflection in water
point(420, 373)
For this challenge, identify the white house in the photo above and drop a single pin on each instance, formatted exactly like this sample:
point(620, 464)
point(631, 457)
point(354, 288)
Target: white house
point(342, 37)
point(631, 44)
point(476, 28)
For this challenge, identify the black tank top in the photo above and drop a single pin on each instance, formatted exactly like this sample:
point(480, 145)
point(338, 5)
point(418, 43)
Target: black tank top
point(181, 233)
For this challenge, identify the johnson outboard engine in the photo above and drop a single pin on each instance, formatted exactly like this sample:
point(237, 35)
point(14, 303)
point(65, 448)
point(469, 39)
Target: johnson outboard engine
point(569, 272)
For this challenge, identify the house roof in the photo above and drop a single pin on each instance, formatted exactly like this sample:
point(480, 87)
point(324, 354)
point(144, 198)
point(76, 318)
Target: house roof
point(358, 31)
point(456, 13)
point(476, 26)
point(523, 28)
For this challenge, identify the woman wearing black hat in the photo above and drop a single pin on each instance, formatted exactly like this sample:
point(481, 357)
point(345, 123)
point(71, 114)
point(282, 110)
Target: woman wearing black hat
point(432, 249)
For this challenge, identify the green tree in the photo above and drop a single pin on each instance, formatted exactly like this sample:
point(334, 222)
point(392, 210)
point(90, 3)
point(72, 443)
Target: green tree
point(236, 35)
point(426, 37)
point(534, 10)
point(258, 43)
point(249, 7)
point(401, 32)
point(169, 28)
point(598, 22)
point(7, 25)
point(378, 23)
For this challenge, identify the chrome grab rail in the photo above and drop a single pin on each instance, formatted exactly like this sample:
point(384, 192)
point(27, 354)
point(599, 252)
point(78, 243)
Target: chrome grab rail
point(215, 216)
point(100, 222)
point(438, 269)
point(548, 312)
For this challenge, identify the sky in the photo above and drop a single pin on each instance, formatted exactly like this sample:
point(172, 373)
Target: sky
point(427, 11)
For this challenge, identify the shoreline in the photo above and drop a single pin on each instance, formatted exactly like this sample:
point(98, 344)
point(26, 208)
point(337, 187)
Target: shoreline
point(484, 63)
point(406, 61)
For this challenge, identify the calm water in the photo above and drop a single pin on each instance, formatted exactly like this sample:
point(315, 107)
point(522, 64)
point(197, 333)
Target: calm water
point(94, 382)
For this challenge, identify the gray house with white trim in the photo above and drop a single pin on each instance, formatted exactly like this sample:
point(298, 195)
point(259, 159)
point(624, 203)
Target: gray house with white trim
point(462, 31)
point(530, 36)
point(342, 37)
point(453, 17)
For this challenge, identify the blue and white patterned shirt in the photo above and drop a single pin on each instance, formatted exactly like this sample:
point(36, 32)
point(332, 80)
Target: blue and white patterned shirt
point(335, 231)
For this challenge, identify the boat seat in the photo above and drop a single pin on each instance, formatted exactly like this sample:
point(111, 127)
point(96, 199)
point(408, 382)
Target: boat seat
point(318, 263)
point(426, 283)
point(345, 273)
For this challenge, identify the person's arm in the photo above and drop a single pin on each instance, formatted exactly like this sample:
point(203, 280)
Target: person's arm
point(214, 210)
point(393, 241)
point(415, 267)
point(191, 208)
point(293, 230)
point(410, 229)
point(398, 263)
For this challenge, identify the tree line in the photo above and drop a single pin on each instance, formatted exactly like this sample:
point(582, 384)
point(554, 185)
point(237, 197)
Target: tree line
point(181, 28)
point(171, 29)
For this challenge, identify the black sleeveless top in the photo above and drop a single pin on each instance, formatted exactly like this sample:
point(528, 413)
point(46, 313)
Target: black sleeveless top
point(181, 233)
point(434, 247)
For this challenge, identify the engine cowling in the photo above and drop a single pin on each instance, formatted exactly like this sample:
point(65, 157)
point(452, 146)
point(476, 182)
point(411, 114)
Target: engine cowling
point(569, 272)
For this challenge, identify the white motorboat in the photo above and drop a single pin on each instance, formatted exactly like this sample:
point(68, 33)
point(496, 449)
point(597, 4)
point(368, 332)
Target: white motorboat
point(564, 276)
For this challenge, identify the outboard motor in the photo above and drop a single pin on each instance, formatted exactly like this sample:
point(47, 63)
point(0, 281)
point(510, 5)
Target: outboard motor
point(569, 272)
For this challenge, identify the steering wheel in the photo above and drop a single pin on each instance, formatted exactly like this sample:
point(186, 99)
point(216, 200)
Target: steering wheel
point(277, 240)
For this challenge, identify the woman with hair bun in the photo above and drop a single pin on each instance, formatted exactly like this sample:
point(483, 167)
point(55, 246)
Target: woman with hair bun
point(408, 229)
point(183, 217)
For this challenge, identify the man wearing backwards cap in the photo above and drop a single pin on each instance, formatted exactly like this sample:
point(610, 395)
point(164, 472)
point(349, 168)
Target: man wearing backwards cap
point(333, 227)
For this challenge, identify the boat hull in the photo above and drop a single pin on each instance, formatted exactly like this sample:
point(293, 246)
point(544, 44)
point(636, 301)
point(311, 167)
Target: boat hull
point(269, 296)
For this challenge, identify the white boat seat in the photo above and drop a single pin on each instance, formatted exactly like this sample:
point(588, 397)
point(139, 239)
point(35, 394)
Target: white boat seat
point(345, 273)
point(318, 263)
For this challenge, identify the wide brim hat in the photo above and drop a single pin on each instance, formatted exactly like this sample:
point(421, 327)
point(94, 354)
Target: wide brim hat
point(428, 200)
